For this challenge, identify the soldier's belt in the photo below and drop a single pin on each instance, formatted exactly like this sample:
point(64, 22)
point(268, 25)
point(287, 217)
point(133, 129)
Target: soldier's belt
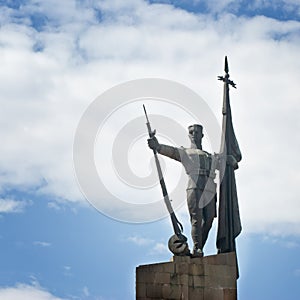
point(202, 172)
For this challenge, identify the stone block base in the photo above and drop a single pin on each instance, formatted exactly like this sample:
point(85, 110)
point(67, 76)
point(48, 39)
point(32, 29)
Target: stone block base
point(207, 278)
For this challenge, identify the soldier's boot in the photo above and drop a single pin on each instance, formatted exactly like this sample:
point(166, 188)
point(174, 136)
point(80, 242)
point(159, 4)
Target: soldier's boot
point(197, 252)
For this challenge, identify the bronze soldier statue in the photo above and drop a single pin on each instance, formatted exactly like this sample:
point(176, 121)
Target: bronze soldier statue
point(200, 166)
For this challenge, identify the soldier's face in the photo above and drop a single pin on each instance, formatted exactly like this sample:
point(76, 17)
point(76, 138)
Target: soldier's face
point(195, 134)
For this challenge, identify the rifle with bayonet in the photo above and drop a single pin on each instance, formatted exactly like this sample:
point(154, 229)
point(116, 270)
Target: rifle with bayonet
point(177, 242)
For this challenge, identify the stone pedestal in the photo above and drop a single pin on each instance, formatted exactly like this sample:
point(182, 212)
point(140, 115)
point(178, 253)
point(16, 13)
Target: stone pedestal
point(207, 278)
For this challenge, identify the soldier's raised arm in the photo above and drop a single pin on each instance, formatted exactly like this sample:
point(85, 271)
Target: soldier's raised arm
point(165, 150)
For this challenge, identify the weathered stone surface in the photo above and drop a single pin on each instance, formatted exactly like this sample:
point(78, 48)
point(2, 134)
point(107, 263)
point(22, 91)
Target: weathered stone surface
point(162, 278)
point(220, 259)
point(175, 278)
point(141, 289)
point(154, 291)
point(230, 294)
point(184, 279)
point(168, 267)
point(213, 293)
point(171, 292)
point(183, 259)
point(207, 278)
point(166, 291)
point(197, 294)
point(145, 277)
point(185, 292)
point(175, 292)
point(198, 281)
point(182, 268)
point(196, 269)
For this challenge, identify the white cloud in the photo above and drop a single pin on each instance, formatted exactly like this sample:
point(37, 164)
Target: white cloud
point(282, 7)
point(217, 6)
point(67, 271)
point(12, 206)
point(86, 291)
point(156, 248)
point(285, 5)
point(54, 206)
point(287, 242)
point(160, 248)
point(25, 292)
point(44, 93)
point(42, 244)
point(297, 272)
point(140, 241)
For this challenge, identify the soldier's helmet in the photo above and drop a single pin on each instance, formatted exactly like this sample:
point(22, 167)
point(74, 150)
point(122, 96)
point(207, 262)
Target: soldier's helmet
point(196, 128)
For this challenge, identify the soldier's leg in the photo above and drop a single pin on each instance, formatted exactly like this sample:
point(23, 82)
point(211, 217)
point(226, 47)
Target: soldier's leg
point(196, 218)
point(209, 213)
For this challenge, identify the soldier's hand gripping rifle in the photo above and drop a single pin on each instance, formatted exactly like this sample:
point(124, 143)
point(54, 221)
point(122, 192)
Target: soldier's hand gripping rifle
point(177, 242)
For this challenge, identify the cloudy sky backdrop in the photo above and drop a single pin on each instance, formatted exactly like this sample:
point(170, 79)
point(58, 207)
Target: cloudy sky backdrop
point(56, 57)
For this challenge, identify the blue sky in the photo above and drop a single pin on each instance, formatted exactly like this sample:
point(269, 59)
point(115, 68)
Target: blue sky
point(56, 57)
